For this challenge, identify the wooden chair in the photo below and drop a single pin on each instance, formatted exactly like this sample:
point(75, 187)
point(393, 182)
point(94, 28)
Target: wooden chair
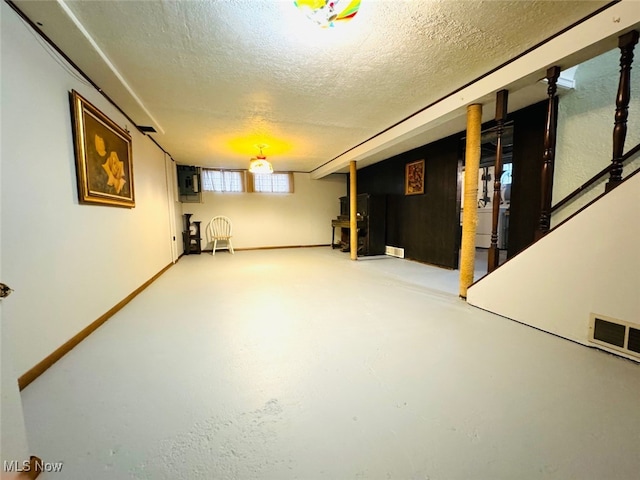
point(219, 229)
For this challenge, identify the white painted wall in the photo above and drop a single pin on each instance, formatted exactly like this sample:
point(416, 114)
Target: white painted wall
point(13, 436)
point(276, 220)
point(591, 264)
point(68, 263)
point(585, 129)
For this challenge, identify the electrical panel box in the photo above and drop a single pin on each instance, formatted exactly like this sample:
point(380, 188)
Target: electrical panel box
point(189, 184)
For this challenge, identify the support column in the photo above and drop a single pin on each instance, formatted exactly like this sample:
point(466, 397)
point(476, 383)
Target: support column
point(470, 213)
point(353, 210)
point(626, 43)
point(548, 157)
point(502, 98)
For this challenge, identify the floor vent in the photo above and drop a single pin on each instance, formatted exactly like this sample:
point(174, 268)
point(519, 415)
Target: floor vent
point(394, 251)
point(616, 334)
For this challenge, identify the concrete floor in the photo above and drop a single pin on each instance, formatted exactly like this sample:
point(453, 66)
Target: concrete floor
point(300, 364)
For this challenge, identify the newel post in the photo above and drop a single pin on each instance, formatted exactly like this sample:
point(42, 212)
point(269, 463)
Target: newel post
point(548, 157)
point(502, 98)
point(626, 43)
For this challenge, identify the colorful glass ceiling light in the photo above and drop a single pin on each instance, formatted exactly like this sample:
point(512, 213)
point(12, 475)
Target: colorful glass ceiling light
point(327, 13)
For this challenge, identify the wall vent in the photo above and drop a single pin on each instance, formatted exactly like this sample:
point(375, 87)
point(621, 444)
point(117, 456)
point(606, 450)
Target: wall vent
point(616, 334)
point(394, 251)
point(634, 340)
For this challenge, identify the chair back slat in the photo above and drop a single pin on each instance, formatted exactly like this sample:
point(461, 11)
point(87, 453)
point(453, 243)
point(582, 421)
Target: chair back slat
point(220, 227)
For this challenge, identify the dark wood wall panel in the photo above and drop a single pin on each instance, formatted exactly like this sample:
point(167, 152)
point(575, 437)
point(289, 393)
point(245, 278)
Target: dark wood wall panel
point(427, 225)
point(528, 148)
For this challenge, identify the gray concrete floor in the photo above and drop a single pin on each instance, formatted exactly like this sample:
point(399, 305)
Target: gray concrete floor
point(300, 364)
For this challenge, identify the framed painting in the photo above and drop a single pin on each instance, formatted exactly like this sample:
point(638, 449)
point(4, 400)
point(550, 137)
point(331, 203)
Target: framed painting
point(414, 178)
point(104, 164)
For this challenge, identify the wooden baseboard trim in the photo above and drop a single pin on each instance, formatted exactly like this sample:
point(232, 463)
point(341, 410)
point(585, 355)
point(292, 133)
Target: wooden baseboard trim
point(61, 351)
point(244, 249)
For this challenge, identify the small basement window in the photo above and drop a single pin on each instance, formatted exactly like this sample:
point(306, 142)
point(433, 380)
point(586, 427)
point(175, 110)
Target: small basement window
point(223, 180)
point(273, 182)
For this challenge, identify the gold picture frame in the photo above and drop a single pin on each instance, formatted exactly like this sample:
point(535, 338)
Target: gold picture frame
point(104, 164)
point(414, 178)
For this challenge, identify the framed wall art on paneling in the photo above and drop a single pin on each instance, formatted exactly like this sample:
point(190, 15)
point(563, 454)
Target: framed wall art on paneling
point(414, 178)
point(104, 163)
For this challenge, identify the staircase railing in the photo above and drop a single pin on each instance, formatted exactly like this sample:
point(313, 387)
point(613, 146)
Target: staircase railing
point(626, 44)
point(631, 154)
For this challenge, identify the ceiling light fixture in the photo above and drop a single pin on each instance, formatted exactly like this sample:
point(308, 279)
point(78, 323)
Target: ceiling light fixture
point(327, 12)
point(260, 164)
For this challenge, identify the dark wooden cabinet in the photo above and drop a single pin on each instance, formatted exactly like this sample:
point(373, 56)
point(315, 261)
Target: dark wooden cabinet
point(372, 212)
point(191, 236)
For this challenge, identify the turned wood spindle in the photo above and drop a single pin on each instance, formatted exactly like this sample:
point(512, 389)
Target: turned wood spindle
point(502, 98)
point(548, 157)
point(626, 43)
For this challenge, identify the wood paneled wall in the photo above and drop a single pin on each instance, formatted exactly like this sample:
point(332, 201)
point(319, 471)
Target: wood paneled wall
point(426, 226)
point(528, 148)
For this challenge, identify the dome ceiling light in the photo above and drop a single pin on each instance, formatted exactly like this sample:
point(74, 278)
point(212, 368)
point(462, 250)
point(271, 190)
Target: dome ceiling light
point(260, 164)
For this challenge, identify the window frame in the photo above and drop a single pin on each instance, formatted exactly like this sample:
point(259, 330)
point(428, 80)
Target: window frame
point(252, 183)
point(243, 179)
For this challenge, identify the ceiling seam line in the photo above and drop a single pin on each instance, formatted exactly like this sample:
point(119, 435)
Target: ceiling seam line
point(525, 52)
point(106, 60)
point(21, 14)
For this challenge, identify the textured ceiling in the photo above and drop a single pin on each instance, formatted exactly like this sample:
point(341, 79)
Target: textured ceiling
point(216, 77)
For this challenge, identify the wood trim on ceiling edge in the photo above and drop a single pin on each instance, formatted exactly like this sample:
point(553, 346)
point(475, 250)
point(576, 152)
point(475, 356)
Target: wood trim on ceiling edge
point(61, 351)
